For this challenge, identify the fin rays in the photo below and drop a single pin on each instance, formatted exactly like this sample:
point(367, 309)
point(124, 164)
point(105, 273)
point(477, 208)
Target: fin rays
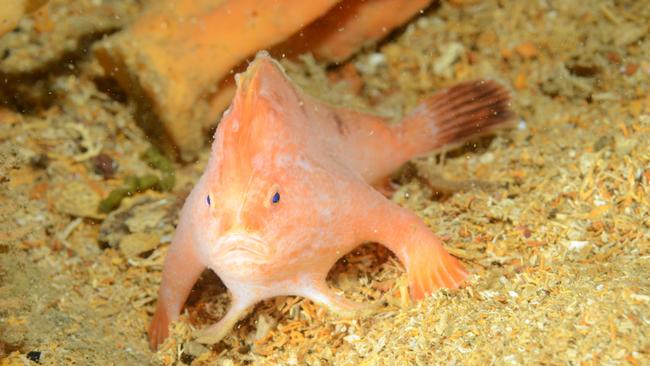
point(436, 269)
point(457, 114)
point(473, 112)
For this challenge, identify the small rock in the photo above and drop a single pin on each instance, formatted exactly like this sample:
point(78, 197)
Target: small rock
point(450, 54)
point(186, 358)
point(603, 142)
point(195, 349)
point(148, 217)
point(352, 338)
point(140, 214)
point(40, 161)
point(135, 244)
point(614, 58)
point(104, 165)
point(527, 50)
point(577, 245)
point(487, 158)
point(264, 326)
point(77, 199)
point(625, 145)
point(34, 356)
point(630, 69)
point(583, 70)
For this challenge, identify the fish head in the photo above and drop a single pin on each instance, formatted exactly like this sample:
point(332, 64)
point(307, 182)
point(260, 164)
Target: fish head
point(262, 187)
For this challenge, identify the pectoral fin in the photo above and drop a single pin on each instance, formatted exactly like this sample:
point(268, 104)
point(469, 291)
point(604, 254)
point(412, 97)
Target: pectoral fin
point(321, 293)
point(237, 311)
point(430, 267)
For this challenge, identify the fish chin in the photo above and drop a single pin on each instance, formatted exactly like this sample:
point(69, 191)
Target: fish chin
point(239, 251)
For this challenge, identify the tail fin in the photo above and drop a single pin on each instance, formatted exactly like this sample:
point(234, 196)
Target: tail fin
point(431, 268)
point(456, 115)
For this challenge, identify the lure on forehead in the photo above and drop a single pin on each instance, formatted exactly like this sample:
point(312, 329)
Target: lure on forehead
point(291, 187)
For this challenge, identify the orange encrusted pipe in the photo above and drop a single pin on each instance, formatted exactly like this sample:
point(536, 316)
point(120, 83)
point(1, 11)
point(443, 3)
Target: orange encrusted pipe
point(334, 37)
point(175, 54)
point(350, 25)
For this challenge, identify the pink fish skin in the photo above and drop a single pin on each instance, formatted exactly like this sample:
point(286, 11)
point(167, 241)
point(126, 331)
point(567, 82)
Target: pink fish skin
point(289, 189)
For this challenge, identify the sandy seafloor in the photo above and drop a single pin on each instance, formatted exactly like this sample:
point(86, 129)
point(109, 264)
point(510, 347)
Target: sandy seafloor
point(552, 217)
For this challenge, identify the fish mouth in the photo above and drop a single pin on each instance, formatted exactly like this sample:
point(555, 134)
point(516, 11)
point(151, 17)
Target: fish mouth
point(243, 249)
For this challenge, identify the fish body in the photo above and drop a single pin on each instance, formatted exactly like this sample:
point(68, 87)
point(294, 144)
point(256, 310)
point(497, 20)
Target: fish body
point(290, 188)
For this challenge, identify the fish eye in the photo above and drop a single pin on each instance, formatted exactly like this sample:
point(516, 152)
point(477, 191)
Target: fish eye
point(276, 198)
point(207, 199)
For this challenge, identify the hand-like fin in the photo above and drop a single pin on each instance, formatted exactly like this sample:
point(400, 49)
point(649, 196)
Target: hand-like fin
point(220, 329)
point(320, 293)
point(427, 263)
point(159, 328)
point(430, 267)
point(182, 268)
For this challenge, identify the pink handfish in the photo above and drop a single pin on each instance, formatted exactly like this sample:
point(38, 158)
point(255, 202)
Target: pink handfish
point(290, 188)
